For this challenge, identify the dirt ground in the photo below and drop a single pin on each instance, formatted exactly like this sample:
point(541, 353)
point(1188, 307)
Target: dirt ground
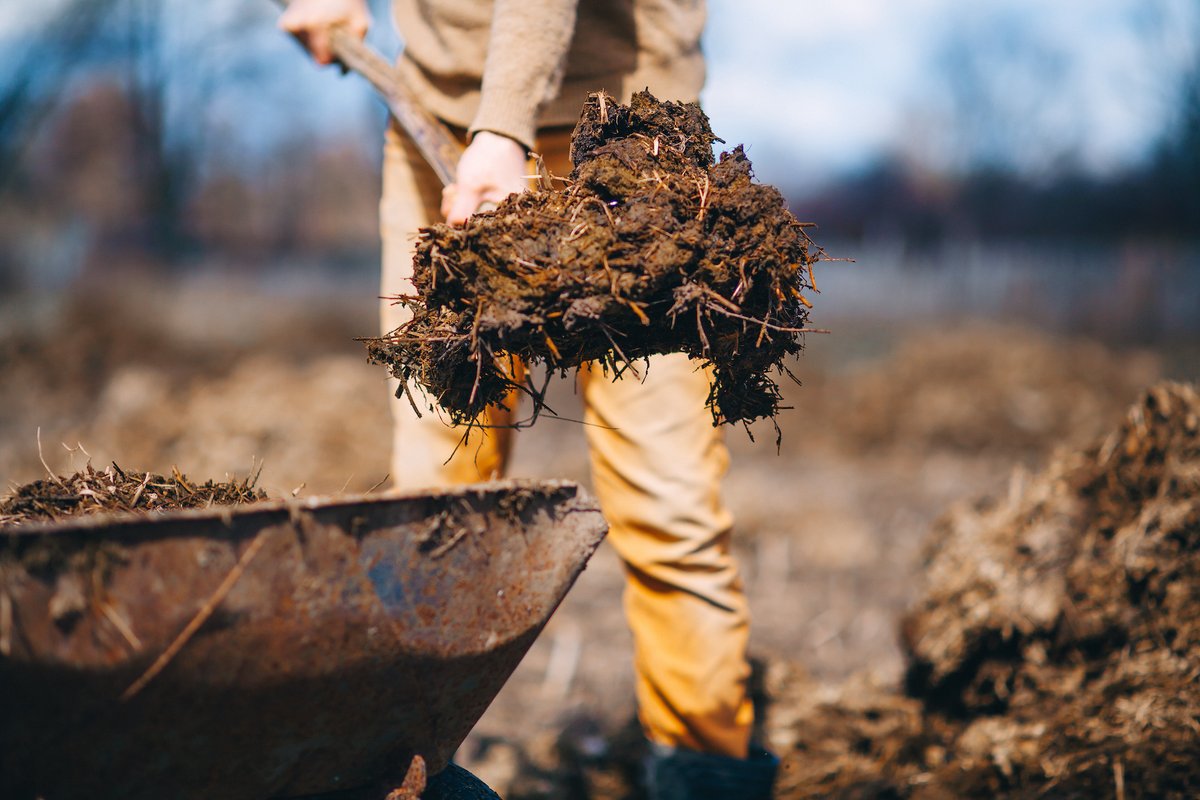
point(891, 427)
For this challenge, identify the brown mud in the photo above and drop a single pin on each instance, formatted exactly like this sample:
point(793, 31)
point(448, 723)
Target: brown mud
point(652, 246)
point(114, 489)
point(1055, 649)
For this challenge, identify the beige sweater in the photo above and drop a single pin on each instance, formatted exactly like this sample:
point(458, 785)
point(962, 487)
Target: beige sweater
point(512, 66)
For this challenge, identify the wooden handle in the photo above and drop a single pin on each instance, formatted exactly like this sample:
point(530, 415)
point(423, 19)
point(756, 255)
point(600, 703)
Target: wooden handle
point(433, 139)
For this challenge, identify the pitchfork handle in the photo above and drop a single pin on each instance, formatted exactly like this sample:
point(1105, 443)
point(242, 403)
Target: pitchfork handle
point(431, 136)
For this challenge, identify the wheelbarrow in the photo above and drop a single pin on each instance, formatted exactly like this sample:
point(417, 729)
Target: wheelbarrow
point(281, 649)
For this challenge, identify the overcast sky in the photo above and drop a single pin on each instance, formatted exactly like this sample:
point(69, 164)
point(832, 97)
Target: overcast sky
point(818, 87)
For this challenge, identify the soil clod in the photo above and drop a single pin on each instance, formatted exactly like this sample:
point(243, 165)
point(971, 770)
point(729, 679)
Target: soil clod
point(652, 247)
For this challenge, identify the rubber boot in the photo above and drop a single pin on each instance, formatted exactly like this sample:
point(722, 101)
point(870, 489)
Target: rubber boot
point(680, 774)
point(455, 783)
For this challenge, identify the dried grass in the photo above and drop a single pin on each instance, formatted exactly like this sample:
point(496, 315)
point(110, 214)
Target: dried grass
point(113, 489)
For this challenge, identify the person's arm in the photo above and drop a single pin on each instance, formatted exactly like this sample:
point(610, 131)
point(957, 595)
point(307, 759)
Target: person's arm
point(527, 52)
point(310, 20)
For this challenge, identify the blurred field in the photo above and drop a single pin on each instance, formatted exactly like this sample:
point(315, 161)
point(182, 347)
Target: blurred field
point(895, 421)
point(210, 201)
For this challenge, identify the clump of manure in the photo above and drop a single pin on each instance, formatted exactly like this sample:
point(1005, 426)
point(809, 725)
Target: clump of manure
point(1054, 651)
point(652, 247)
point(113, 489)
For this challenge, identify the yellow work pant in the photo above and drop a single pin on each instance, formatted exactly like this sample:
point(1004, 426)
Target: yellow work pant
point(657, 462)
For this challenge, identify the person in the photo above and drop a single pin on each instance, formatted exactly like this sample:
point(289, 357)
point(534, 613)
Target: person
point(510, 77)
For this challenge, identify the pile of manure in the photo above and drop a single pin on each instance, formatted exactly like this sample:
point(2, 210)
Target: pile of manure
point(652, 247)
point(1055, 651)
point(113, 489)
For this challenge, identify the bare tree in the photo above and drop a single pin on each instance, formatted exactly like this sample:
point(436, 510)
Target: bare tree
point(41, 62)
point(169, 67)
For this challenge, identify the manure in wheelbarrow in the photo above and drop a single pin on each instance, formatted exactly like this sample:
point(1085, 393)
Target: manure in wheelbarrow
point(113, 489)
point(650, 246)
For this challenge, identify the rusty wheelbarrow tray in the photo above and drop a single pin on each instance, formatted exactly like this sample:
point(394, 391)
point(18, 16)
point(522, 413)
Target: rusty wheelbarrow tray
point(273, 650)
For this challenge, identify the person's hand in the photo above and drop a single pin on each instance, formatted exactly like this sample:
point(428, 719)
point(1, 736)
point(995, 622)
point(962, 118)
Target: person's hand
point(491, 168)
point(310, 20)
